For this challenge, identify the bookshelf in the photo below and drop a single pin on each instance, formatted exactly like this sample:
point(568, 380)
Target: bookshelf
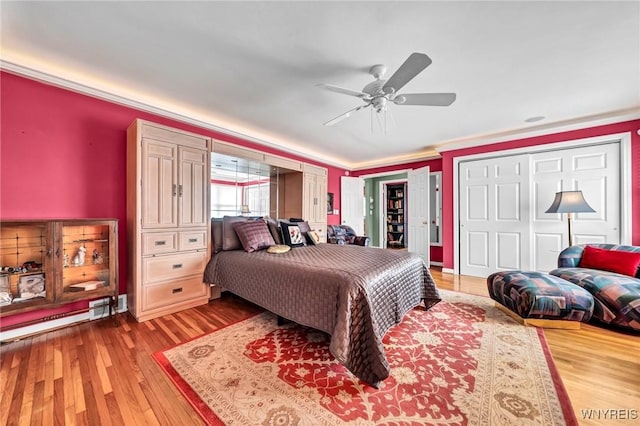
point(396, 216)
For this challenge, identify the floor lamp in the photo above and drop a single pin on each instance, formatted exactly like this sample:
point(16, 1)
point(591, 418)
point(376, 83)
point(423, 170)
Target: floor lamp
point(569, 202)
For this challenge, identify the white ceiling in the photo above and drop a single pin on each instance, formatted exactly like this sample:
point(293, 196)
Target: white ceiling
point(252, 67)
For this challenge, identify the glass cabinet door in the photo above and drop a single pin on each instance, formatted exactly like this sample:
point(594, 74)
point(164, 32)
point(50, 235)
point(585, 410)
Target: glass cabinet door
point(25, 269)
point(87, 258)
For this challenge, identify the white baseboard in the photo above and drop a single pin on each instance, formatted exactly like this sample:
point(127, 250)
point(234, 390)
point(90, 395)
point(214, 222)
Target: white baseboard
point(432, 263)
point(448, 271)
point(28, 330)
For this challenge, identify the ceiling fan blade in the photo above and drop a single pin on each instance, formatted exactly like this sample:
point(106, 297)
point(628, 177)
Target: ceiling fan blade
point(345, 115)
point(338, 89)
point(415, 63)
point(430, 99)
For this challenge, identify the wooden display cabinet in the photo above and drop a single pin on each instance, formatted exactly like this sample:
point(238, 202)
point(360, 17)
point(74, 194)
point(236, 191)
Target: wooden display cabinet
point(47, 263)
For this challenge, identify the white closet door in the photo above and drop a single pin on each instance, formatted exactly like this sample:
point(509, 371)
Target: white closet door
point(494, 215)
point(595, 170)
point(502, 201)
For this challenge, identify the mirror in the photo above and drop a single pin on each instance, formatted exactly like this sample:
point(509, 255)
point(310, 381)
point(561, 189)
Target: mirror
point(246, 187)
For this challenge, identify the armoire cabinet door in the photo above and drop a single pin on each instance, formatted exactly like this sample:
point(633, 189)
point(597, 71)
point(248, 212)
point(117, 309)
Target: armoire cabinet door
point(320, 210)
point(159, 186)
point(315, 198)
point(192, 188)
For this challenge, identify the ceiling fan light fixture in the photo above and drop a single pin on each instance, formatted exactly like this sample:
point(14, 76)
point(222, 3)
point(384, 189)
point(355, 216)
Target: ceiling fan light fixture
point(399, 100)
point(379, 103)
point(378, 71)
point(379, 93)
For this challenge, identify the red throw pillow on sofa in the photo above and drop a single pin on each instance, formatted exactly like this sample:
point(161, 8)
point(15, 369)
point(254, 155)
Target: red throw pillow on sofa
point(621, 262)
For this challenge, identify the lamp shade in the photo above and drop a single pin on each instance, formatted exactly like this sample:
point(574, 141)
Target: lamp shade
point(245, 209)
point(569, 202)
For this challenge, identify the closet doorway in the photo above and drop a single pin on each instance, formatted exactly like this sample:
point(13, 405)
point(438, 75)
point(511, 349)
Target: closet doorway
point(416, 198)
point(394, 218)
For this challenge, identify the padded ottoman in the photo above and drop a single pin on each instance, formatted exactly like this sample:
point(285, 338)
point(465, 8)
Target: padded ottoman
point(543, 300)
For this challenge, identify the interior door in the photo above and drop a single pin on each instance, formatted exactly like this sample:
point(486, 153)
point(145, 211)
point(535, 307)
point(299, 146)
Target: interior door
point(418, 212)
point(352, 202)
point(595, 171)
point(494, 215)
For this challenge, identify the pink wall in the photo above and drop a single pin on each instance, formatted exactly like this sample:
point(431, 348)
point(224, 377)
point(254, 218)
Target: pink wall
point(446, 166)
point(62, 155)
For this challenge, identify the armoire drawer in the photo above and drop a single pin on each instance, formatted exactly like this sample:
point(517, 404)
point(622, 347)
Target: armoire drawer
point(169, 267)
point(193, 240)
point(159, 242)
point(172, 292)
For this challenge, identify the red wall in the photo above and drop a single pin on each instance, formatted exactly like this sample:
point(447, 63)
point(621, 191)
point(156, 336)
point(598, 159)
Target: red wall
point(446, 165)
point(62, 155)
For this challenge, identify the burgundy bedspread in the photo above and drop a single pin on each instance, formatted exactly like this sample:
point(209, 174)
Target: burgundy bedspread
point(353, 293)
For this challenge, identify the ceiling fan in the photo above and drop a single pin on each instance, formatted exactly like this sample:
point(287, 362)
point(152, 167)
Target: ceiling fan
point(379, 93)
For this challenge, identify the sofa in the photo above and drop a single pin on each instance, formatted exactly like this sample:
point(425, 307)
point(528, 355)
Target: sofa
point(599, 282)
point(344, 234)
point(611, 274)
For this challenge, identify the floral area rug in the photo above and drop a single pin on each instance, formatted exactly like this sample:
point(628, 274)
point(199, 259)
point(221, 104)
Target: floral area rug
point(463, 362)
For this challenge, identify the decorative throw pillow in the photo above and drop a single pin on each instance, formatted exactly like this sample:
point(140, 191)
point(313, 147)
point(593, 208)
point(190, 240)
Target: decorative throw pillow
point(278, 249)
point(292, 235)
point(304, 228)
point(621, 262)
point(253, 235)
point(303, 225)
point(230, 240)
point(313, 237)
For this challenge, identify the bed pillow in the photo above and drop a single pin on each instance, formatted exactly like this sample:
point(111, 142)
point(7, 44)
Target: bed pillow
point(216, 235)
point(304, 228)
point(230, 240)
point(253, 235)
point(621, 262)
point(292, 235)
point(274, 228)
point(302, 224)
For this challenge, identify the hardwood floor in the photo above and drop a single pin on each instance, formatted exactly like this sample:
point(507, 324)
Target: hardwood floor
point(600, 368)
point(98, 374)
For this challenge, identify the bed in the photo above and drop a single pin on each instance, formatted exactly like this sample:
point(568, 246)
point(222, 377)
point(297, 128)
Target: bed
point(353, 293)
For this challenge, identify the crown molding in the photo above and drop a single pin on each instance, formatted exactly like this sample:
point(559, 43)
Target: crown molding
point(176, 113)
point(612, 117)
point(171, 113)
point(430, 154)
